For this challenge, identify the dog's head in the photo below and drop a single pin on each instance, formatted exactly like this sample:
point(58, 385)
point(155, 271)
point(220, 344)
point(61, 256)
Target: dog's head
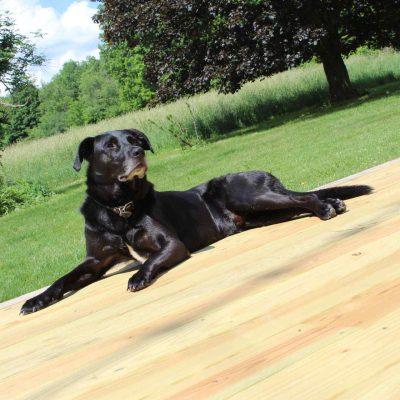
point(115, 155)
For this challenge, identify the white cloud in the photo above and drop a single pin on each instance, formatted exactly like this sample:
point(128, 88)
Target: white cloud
point(70, 35)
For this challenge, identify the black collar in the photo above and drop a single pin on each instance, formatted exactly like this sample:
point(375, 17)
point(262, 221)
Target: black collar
point(124, 211)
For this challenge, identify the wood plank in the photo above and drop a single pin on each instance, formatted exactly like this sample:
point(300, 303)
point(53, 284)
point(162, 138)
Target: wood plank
point(306, 309)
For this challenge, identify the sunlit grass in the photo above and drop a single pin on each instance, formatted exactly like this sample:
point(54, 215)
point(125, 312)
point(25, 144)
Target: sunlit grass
point(49, 160)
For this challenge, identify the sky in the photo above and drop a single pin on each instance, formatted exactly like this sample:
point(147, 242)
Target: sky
point(67, 28)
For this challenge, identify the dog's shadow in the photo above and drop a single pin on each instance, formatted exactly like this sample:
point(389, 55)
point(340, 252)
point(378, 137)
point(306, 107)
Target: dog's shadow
point(129, 266)
point(135, 265)
point(121, 268)
point(132, 266)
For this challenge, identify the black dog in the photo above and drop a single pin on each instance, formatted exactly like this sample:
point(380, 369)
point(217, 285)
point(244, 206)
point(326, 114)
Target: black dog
point(126, 217)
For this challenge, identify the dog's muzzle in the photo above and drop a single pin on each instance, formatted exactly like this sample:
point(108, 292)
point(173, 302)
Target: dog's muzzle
point(139, 172)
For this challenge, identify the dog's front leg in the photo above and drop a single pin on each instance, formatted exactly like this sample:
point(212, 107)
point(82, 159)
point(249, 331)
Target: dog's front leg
point(84, 274)
point(172, 253)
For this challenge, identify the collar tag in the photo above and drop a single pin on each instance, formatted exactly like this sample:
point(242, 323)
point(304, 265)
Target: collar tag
point(125, 211)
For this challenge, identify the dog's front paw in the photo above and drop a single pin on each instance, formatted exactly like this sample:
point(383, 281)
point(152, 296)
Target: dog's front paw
point(139, 281)
point(326, 212)
point(41, 301)
point(33, 305)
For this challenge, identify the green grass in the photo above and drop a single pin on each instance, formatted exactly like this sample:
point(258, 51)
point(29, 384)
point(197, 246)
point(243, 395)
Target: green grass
point(49, 160)
point(42, 242)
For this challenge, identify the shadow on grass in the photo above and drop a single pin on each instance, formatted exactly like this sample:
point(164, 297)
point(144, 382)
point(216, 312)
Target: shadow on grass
point(316, 111)
point(70, 186)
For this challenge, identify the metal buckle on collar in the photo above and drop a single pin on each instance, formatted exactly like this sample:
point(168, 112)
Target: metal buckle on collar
point(124, 211)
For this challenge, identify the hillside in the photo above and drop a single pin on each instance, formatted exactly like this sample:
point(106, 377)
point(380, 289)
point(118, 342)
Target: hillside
point(277, 99)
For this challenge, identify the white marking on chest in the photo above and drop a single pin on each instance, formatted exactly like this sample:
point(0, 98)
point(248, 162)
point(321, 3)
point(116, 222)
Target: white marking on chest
point(135, 255)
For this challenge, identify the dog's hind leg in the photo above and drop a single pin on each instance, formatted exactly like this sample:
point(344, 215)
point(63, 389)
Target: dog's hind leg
point(259, 191)
point(265, 218)
point(273, 201)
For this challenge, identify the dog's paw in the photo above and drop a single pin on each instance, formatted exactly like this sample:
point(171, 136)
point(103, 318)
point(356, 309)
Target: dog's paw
point(326, 211)
point(338, 205)
point(43, 300)
point(139, 281)
point(35, 304)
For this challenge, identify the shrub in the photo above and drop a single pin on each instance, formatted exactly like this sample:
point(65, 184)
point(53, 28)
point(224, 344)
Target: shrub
point(20, 193)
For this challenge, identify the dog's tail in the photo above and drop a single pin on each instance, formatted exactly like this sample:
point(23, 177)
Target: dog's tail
point(343, 192)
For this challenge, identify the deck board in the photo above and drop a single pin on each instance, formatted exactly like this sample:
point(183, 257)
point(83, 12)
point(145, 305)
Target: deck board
point(305, 309)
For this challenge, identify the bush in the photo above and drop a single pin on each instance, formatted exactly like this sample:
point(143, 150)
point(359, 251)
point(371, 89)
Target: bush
point(17, 194)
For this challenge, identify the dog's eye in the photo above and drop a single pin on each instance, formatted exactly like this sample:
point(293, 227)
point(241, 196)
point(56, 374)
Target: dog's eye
point(111, 145)
point(131, 140)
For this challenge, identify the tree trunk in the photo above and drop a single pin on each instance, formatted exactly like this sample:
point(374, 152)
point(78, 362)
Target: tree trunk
point(340, 87)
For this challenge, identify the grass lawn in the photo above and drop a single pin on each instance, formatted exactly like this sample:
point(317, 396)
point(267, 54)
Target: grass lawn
point(305, 150)
point(49, 160)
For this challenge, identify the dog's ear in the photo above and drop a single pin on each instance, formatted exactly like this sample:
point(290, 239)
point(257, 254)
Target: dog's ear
point(84, 150)
point(143, 139)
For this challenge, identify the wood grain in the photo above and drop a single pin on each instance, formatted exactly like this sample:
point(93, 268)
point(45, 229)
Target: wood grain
point(301, 310)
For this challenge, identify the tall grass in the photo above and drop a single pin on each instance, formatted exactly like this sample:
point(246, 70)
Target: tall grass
point(49, 160)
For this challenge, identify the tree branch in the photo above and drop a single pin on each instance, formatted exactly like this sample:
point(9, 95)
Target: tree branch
point(2, 103)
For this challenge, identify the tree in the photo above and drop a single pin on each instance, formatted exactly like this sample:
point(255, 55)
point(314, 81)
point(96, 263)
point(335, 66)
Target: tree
point(126, 65)
point(99, 94)
point(21, 119)
point(17, 54)
point(193, 44)
point(60, 107)
point(80, 93)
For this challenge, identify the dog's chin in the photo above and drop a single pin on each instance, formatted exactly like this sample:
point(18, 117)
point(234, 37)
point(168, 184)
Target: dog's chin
point(138, 172)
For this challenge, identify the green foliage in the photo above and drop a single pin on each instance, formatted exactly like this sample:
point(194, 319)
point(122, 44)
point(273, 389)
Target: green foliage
point(59, 101)
point(50, 124)
point(24, 117)
point(81, 93)
point(4, 114)
point(17, 54)
point(21, 193)
point(92, 90)
point(98, 97)
point(182, 133)
point(126, 66)
point(193, 43)
point(365, 51)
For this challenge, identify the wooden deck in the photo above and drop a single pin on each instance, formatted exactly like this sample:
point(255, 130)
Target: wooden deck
point(301, 310)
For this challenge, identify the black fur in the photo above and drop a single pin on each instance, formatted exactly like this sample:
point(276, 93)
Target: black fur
point(122, 208)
